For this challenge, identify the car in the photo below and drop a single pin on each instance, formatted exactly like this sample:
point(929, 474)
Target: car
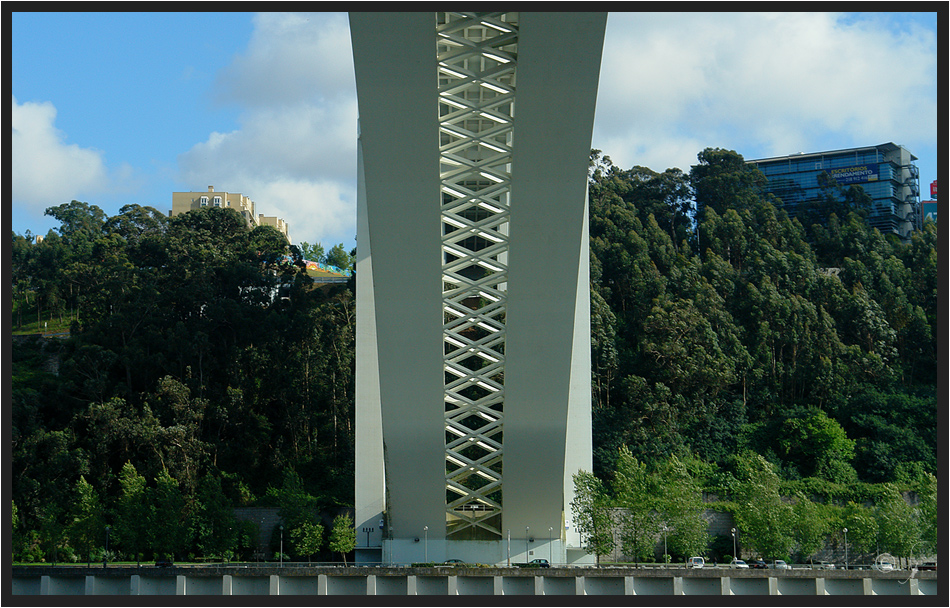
point(539, 563)
point(163, 563)
point(758, 565)
point(928, 566)
point(738, 563)
point(823, 566)
point(884, 566)
point(454, 562)
point(781, 565)
point(695, 562)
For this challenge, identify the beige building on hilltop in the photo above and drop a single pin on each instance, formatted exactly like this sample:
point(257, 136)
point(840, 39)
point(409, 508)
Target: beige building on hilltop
point(183, 202)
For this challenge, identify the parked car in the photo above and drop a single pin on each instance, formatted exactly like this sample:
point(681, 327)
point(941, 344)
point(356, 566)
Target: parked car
point(539, 563)
point(928, 566)
point(738, 563)
point(781, 565)
point(695, 562)
point(758, 564)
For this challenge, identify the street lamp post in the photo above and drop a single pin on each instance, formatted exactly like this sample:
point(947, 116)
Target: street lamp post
point(845, 548)
point(509, 547)
point(105, 556)
point(734, 557)
point(425, 531)
point(281, 545)
point(551, 545)
point(526, 544)
point(665, 561)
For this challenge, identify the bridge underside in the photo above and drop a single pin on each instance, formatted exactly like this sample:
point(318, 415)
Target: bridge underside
point(473, 324)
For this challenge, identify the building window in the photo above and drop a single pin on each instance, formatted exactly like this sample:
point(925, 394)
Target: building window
point(204, 201)
point(217, 201)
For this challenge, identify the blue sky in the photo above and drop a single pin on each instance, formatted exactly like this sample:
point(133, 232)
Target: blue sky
point(119, 108)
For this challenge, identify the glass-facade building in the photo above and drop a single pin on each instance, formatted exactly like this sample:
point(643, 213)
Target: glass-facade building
point(886, 172)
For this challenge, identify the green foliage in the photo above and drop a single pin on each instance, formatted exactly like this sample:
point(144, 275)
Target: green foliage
point(168, 524)
point(928, 513)
point(213, 525)
point(634, 493)
point(681, 507)
point(306, 538)
point(862, 524)
point(811, 526)
point(899, 531)
point(592, 514)
point(765, 521)
point(716, 332)
point(131, 513)
point(343, 535)
point(818, 446)
point(298, 511)
point(86, 528)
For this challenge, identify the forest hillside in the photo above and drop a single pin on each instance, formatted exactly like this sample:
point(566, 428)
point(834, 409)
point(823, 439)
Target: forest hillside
point(197, 368)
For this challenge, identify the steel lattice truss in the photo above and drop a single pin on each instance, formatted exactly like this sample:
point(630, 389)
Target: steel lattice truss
point(477, 56)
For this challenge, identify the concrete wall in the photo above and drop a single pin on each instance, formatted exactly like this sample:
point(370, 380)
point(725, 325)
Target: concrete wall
point(440, 581)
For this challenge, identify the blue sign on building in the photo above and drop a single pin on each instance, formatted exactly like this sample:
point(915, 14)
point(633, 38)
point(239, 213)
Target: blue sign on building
point(855, 174)
point(928, 210)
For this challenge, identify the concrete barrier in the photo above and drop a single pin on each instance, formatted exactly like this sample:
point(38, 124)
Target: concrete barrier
point(470, 581)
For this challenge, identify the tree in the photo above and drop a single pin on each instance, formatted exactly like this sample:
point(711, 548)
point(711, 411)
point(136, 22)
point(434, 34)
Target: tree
point(297, 506)
point(811, 527)
point(87, 521)
point(722, 180)
point(592, 519)
point(681, 508)
point(13, 530)
point(898, 529)
point(169, 517)
point(131, 513)
point(635, 494)
point(343, 535)
point(765, 519)
point(862, 525)
point(819, 447)
point(136, 223)
point(80, 225)
point(338, 256)
point(928, 512)
point(213, 525)
point(306, 538)
point(312, 253)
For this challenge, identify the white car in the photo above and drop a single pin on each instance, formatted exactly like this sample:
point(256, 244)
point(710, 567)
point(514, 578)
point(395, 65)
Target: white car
point(738, 563)
point(884, 566)
point(695, 562)
point(781, 565)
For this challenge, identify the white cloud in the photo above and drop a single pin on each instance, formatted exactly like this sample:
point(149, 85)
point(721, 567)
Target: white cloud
point(671, 85)
point(762, 84)
point(295, 151)
point(292, 57)
point(316, 211)
point(46, 171)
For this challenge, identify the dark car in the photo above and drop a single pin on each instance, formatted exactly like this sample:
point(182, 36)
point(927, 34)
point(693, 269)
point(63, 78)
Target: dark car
point(758, 564)
point(928, 566)
point(539, 563)
point(163, 563)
